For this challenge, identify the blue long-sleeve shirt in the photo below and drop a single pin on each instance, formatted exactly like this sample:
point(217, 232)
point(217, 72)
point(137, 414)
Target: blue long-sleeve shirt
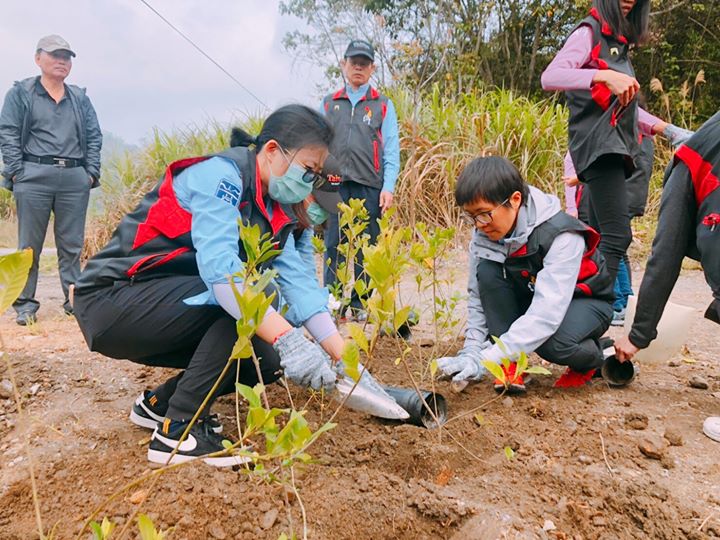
point(390, 137)
point(210, 191)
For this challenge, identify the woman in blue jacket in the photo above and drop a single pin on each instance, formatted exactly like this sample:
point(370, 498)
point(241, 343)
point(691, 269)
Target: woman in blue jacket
point(158, 293)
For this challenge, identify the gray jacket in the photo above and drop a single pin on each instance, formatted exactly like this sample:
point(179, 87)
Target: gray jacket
point(15, 127)
point(554, 287)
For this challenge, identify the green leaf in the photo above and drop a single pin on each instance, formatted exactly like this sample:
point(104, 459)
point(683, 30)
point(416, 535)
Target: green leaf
point(495, 370)
point(147, 528)
point(351, 360)
point(500, 344)
point(538, 370)
point(433, 368)
point(522, 364)
point(14, 269)
point(358, 336)
point(97, 531)
point(401, 317)
point(242, 348)
point(249, 394)
point(509, 453)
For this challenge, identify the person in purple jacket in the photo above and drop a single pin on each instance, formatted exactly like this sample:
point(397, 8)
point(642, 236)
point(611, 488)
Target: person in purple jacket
point(594, 70)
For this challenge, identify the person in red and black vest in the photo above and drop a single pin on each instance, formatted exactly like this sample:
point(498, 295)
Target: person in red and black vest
point(159, 294)
point(594, 69)
point(536, 280)
point(688, 225)
point(368, 147)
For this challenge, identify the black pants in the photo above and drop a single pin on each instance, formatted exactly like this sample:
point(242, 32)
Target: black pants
point(605, 180)
point(148, 323)
point(351, 190)
point(575, 343)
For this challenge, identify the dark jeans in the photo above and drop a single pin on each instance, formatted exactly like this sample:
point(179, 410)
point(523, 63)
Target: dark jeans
point(351, 190)
point(623, 285)
point(575, 343)
point(605, 181)
point(40, 190)
point(148, 323)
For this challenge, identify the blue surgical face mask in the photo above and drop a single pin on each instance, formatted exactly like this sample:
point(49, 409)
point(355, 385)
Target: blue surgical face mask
point(290, 188)
point(317, 214)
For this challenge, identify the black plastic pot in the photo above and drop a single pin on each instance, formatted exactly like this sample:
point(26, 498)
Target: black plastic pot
point(409, 400)
point(617, 373)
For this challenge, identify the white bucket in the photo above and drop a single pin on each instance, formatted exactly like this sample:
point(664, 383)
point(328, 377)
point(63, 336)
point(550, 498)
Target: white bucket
point(672, 330)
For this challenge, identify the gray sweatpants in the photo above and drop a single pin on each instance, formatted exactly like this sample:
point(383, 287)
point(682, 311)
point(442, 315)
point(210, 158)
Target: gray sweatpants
point(40, 190)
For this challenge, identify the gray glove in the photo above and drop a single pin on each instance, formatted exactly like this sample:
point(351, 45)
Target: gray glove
point(677, 135)
point(465, 366)
point(304, 362)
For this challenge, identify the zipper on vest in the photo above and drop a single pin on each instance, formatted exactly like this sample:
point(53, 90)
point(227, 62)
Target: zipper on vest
point(352, 115)
point(504, 273)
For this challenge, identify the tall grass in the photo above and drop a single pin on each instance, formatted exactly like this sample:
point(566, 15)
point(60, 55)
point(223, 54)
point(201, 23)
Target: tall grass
point(441, 134)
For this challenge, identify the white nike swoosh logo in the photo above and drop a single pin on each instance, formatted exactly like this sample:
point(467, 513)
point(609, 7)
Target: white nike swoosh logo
point(188, 445)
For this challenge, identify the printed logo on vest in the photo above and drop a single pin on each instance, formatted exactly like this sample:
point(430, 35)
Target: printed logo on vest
point(368, 116)
point(614, 51)
point(228, 192)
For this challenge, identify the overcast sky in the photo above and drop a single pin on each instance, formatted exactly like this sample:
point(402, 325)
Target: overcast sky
point(139, 73)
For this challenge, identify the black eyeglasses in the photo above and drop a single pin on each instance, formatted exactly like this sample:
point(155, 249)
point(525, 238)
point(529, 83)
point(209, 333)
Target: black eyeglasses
point(482, 218)
point(316, 179)
point(309, 176)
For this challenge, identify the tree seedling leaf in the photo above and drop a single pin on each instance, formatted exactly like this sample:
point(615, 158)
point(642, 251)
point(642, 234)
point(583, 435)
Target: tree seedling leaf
point(509, 453)
point(495, 370)
point(249, 394)
point(538, 370)
point(14, 269)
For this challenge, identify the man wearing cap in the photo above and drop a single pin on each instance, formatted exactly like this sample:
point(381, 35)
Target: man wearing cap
point(368, 147)
point(50, 142)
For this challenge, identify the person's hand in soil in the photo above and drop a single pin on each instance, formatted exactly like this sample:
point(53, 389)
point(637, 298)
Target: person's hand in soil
point(465, 366)
point(624, 349)
point(304, 362)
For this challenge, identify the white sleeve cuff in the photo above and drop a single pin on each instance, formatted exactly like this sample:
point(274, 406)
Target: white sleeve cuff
point(320, 326)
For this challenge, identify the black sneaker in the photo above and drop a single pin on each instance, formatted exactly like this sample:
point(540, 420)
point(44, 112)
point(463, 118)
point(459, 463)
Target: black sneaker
point(200, 441)
point(148, 411)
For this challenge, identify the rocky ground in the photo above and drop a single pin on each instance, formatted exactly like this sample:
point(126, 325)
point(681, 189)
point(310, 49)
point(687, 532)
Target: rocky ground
point(590, 463)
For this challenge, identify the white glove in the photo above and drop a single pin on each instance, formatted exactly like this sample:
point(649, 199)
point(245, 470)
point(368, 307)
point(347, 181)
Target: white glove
point(677, 135)
point(465, 366)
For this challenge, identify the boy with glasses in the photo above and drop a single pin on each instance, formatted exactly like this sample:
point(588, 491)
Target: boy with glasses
point(536, 279)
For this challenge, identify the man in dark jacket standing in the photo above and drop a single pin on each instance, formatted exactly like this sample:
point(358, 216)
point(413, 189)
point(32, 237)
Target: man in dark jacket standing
point(368, 146)
point(50, 141)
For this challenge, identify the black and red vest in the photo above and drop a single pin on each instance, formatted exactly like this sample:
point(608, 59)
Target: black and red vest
point(701, 155)
point(523, 266)
point(358, 140)
point(598, 124)
point(154, 240)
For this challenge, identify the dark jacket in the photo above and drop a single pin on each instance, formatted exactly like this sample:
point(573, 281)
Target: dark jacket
point(688, 225)
point(358, 135)
point(15, 127)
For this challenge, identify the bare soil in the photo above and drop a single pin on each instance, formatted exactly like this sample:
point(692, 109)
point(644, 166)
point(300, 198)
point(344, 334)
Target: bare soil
point(577, 470)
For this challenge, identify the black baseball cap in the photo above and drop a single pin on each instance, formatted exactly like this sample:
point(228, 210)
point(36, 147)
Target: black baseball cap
point(360, 47)
point(328, 194)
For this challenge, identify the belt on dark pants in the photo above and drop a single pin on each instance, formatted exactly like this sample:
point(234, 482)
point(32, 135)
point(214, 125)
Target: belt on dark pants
point(65, 163)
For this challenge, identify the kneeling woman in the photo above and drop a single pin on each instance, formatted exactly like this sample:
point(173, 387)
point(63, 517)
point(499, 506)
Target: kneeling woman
point(158, 293)
point(536, 279)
